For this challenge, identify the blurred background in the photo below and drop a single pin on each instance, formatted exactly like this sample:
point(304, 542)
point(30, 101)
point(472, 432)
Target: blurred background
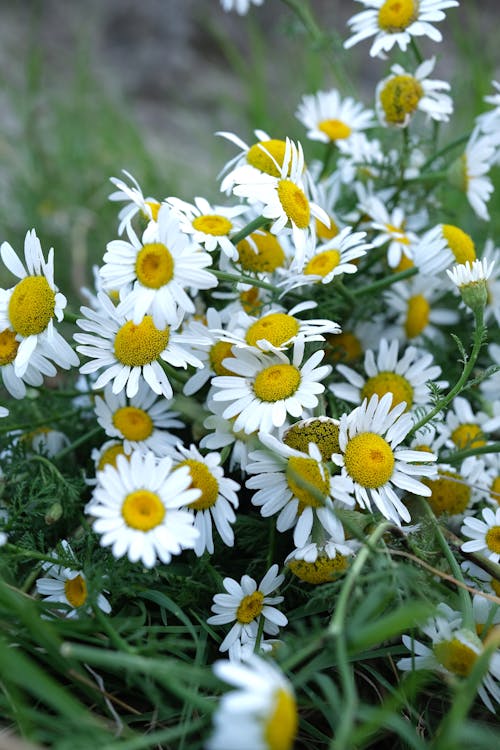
point(88, 88)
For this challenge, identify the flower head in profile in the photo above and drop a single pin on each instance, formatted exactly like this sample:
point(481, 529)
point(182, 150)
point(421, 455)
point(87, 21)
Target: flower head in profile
point(469, 173)
point(135, 202)
point(483, 535)
point(470, 279)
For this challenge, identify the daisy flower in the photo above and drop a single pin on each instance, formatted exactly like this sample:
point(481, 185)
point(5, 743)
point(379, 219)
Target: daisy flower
point(470, 280)
point(264, 154)
point(396, 22)
point(265, 388)
point(405, 377)
point(261, 714)
point(440, 247)
point(240, 6)
point(389, 228)
point(38, 366)
point(68, 586)
point(322, 562)
point(469, 172)
point(135, 201)
point(29, 308)
point(217, 500)
point(246, 603)
point(142, 422)
point(139, 509)
point(106, 454)
point(152, 277)
point(452, 652)
point(295, 485)
point(484, 535)
point(372, 462)
point(328, 117)
point(464, 427)
point(128, 352)
point(261, 253)
point(415, 304)
point(401, 94)
point(214, 349)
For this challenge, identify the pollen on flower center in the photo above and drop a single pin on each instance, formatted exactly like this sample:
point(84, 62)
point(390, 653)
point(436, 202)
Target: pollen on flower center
point(8, 346)
point(143, 510)
point(346, 347)
point(32, 305)
point(220, 351)
point(450, 494)
point(259, 156)
point(305, 480)
point(134, 424)
point(417, 316)
point(322, 432)
point(323, 263)
point(455, 656)
point(138, 345)
point(400, 97)
point(276, 382)
point(250, 300)
point(397, 15)
point(369, 460)
point(275, 328)
point(263, 253)
point(460, 243)
point(294, 203)
point(75, 590)
point(468, 436)
point(202, 479)
point(213, 224)
point(250, 607)
point(281, 727)
point(110, 455)
point(322, 570)
point(154, 265)
point(389, 382)
point(335, 129)
point(492, 539)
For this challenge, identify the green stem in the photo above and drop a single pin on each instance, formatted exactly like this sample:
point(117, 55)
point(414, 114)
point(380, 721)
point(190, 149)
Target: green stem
point(303, 12)
point(76, 443)
point(345, 293)
point(457, 456)
point(386, 281)
point(416, 51)
point(224, 276)
point(248, 229)
point(449, 147)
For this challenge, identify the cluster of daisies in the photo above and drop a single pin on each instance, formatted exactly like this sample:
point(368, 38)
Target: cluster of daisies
point(307, 319)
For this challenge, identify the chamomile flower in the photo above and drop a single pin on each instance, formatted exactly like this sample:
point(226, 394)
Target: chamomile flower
point(328, 117)
point(295, 485)
point(29, 308)
point(415, 303)
point(128, 352)
point(217, 500)
point(265, 388)
point(139, 509)
point(135, 201)
point(396, 22)
point(322, 562)
point(440, 247)
point(240, 6)
point(261, 714)
point(261, 253)
point(469, 172)
point(390, 227)
point(153, 276)
point(38, 366)
point(64, 585)
point(142, 422)
point(401, 94)
point(484, 535)
point(405, 377)
point(214, 349)
point(264, 154)
point(246, 603)
point(463, 426)
point(106, 454)
point(373, 464)
point(470, 279)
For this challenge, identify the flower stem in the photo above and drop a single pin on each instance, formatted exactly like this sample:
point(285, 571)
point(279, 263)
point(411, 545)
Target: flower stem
point(224, 276)
point(248, 229)
point(386, 281)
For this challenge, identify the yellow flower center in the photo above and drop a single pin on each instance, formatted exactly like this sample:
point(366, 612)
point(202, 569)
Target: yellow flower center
point(260, 159)
point(138, 345)
point(450, 494)
point(294, 203)
point(275, 328)
point(220, 351)
point(460, 243)
point(404, 264)
point(8, 346)
point(346, 347)
point(326, 233)
point(323, 570)
point(75, 590)
point(495, 490)
point(400, 97)
point(455, 656)
point(397, 15)
point(492, 539)
point(264, 254)
point(32, 305)
point(417, 316)
point(202, 479)
point(398, 234)
point(322, 432)
point(276, 382)
point(389, 382)
point(468, 436)
point(322, 263)
point(304, 478)
point(134, 424)
point(281, 727)
point(143, 510)
point(155, 207)
point(250, 607)
point(213, 224)
point(335, 130)
point(154, 265)
point(369, 460)
point(250, 300)
point(110, 455)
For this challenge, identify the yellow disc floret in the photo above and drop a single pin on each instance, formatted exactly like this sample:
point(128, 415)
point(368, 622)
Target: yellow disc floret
point(250, 607)
point(455, 656)
point(323, 263)
point(326, 233)
point(417, 315)
point(220, 351)
point(492, 539)
point(8, 346)
point(277, 328)
point(450, 494)
point(143, 510)
point(250, 300)
point(138, 345)
point(294, 203)
point(468, 436)
point(460, 243)
point(263, 253)
point(323, 432)
point(213, 224)
point(154, 265)
point(32, 305)
point(346, 347)
point(110, 455)
point(276, 382)
point(202, 479)
point(389, 382)
point(397, 15)
point(307, 482)
point(134, 424)
point(399, 98)
point(264, 154)
point(322, 570)
point(281, 727)
point(369, 460)
point(75, 590)
point(335, 130)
